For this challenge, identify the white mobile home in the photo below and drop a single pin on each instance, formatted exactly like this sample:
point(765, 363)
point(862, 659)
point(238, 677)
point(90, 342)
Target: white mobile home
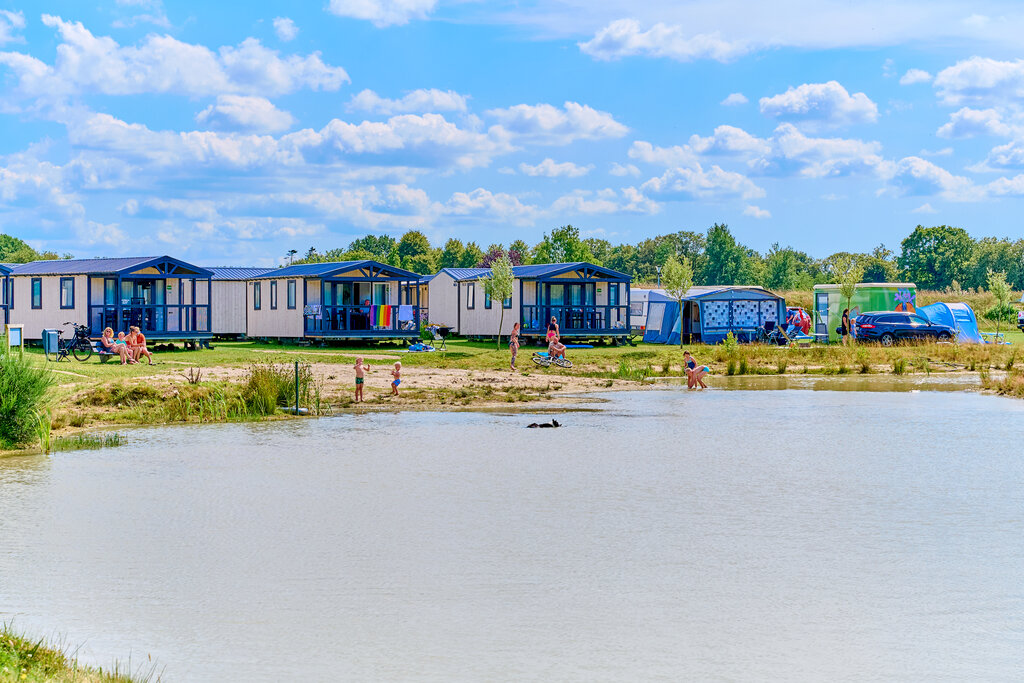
point(166, 298)
point(229, 299)
point(586, 300)
point(345, 300)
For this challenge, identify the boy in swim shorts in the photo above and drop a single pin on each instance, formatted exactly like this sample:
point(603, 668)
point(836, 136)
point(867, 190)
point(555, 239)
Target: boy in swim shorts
point(397, 374)
point(361, 371)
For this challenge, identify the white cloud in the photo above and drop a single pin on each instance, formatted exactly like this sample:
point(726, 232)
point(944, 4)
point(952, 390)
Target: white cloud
point(696, 183)
point(924, 208)
point(285, 28)
point(821, 105)
point(756, 212)
point(981, 81)
point(1006, 187)
point(549, 168)
point(544, 124)
point(626, 38)
point(10, 24)
point(606, 201)
point(484, 203)
point(967, 123)
point(417, 101)
point(915, 76)
point(915, 176)
point(734, 99)
point(662, 156)
point(245, 114)
point(729, 140)
point(624, 170)
point(162, 64)
point(1008, 156)
point(383, 13)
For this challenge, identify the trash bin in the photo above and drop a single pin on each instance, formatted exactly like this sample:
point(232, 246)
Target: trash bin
point(50, 342)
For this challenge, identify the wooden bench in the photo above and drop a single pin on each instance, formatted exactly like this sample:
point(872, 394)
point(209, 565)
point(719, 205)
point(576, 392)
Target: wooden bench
point(99, 350)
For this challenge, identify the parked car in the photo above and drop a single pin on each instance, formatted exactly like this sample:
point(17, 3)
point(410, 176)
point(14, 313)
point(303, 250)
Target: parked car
point(890, 327)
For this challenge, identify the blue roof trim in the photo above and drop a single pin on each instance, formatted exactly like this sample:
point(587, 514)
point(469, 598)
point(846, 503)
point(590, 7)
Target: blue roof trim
point(326, 270)
point(102, 266)
point(4, 268)
point(537, 271)
point(236, 273)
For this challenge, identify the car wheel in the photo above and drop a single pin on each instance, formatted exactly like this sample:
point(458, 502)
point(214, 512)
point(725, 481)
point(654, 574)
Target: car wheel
point(945, 336)
point(887, 339)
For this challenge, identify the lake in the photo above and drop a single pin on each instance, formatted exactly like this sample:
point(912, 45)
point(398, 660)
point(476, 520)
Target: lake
point(661, 535)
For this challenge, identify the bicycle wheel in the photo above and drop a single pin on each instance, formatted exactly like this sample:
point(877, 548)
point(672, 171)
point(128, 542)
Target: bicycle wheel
point(563, 362)
point(542, 361)
point(82, 352)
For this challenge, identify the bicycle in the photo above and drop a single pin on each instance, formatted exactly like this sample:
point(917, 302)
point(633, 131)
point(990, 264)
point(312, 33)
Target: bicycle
point(542, 359)
point(80, 346)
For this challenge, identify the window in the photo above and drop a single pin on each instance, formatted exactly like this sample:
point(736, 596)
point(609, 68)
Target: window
point(67, 292)
point(273, 295)
point(471, 296)
point(506, 303)
point(380, 294)
point(291, 293)
point(37, 292)
point(613, 295)
point(918, 320)
point(487, 299)
point(256, 303)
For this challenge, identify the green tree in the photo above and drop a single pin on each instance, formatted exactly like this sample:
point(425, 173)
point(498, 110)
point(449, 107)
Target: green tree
point(933, 257)
point(849, 274)
point(724, 259)
point(1000, 289)
point(471, 256)
point(498, 285)
point(563, 245)
point(998, 255)
point(378, 245)
point(519, 253)
point(14, 250)
point(413, 245)
point(451, 256)
point(879, 265)
point(677, 277)
point(781, 268)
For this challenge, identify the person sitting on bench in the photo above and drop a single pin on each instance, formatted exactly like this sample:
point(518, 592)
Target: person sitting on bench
point(116, 347)
point(137, 344)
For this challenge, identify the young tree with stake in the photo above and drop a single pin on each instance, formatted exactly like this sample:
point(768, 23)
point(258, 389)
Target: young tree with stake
point(499, 285)
point(678, 278)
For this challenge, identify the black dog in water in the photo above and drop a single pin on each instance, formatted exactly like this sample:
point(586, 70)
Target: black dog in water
point(542, 425)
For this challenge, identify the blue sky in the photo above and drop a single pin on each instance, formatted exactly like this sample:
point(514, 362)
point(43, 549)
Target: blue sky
point(228, 133)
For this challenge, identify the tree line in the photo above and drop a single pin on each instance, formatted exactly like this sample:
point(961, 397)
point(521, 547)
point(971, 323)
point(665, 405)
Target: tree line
point(937, 257)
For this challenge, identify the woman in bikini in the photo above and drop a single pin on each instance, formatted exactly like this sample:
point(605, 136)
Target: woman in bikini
point(513, 345)
point(694, 374)
point(116, 346)
point(552, 329)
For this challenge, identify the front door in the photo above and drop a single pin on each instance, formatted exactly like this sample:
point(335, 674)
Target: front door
point(821, 315)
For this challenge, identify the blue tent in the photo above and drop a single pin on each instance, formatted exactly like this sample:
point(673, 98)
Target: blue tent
point(958, 316)
point(710, 313)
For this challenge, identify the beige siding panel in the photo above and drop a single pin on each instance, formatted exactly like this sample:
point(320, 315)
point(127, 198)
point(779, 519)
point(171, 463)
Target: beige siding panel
point(229, 307)
point(480, 321)
point(283, 322)
point(51, 315)
point(443, 307)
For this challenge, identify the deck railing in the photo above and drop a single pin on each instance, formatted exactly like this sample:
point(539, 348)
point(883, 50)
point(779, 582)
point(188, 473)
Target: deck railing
point(362, 320)
point(576, 319)
point(151, 319)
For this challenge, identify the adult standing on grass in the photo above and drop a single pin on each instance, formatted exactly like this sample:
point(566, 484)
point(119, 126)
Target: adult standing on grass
point(553, 329)
point(844, 327)
point(513, 345)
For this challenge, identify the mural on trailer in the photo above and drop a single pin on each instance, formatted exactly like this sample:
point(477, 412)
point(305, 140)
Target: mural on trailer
point(906, 300)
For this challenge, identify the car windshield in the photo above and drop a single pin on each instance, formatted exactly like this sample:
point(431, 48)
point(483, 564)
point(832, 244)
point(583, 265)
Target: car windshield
point(918, 320)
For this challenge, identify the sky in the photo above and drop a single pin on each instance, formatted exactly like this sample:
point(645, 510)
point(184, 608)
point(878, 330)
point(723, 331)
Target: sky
point(228, 133)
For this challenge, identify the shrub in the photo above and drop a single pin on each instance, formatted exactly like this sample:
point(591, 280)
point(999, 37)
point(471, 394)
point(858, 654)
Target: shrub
point(781, 366)
point(899, 366)
point(742, 370)
point(24, 393)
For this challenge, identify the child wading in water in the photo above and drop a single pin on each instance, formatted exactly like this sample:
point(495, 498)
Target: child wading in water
point(397, 374)
point(361, 371)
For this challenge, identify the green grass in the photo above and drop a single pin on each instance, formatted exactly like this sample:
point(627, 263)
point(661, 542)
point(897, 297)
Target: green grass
point(28, 660)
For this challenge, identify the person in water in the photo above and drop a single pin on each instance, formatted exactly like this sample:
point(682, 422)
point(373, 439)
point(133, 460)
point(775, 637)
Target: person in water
point(694, 373)
point(397, 374)
point(361, 371)
point(513, 345)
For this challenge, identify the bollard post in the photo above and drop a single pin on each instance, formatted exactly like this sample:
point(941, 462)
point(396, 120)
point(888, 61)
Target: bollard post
point(296, 387)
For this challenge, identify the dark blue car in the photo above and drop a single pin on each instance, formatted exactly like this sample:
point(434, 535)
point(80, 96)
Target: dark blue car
point(890, 327)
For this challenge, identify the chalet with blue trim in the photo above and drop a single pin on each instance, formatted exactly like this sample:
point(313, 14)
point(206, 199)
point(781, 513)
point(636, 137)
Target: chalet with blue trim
point(168, 299)
point(343, 300)
point(5, 293)
point(586, 300)
point(710, 313)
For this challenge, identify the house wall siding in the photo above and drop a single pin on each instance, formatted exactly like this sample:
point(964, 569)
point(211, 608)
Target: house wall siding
point(51, 315)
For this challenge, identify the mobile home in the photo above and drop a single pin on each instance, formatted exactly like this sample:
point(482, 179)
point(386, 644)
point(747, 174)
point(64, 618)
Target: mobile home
point(344, 300)
point(165, 297)
point(5, 292)
point(229, 295)
point(869, 296)
point(710, 313)
point(587, 301)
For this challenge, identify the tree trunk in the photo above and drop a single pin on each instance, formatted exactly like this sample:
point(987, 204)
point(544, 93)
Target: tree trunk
point(501, 321)
point(681, 309)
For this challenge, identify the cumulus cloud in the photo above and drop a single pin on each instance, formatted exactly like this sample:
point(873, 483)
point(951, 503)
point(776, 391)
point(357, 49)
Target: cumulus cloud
point(915, 176)
point(981, 81)
point(484, 203)
point(10, 24)
point(734, 99)
point(162, 64)
point(1008, 156)
point(968, 123)
point(285, 28)
point(694, 183)
point(246, 114)
point(422, 100)
point(606, 201)
point(549, 168)
point(383, 13)
point(663, 156)
point(626, 38)
point(915, 76)
point(729, 140)
point(621, 170)
point(756, 212)
point(545, 124)
point(825, 105)
point(924, 208)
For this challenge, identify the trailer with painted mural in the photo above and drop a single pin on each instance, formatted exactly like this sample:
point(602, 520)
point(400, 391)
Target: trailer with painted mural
point(869, 296)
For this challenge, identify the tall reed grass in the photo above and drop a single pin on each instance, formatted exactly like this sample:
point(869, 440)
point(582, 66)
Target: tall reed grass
point(24, 397)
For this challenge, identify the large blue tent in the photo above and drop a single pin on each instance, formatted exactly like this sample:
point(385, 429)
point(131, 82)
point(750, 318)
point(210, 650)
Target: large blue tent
point(711, 313)
point(958, 316)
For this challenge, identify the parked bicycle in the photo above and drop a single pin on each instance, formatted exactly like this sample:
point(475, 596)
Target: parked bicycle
point(80, 346)
point(542, 359)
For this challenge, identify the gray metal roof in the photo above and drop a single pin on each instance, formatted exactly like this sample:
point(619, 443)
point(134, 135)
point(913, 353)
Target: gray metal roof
point(534, 271)
point(236, 273)
point(98, 266)
point(316, 270)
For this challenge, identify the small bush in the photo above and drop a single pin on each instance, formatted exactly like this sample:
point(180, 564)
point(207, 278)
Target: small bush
point(730, 345)
point(781, 366)
point(730, 368)
point(899, 366)
point(742, 370)
point(24, 397)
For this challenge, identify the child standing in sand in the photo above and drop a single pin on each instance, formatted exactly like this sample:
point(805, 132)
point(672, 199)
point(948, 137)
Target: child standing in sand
point(361, 371)
point(397, 374)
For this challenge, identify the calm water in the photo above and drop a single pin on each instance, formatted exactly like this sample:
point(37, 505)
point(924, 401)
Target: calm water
point(730, 535)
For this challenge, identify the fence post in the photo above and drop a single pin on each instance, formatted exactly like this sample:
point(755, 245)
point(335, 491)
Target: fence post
point(296, 387)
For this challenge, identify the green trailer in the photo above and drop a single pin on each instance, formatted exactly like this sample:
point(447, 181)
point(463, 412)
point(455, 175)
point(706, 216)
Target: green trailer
point(870, 296)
